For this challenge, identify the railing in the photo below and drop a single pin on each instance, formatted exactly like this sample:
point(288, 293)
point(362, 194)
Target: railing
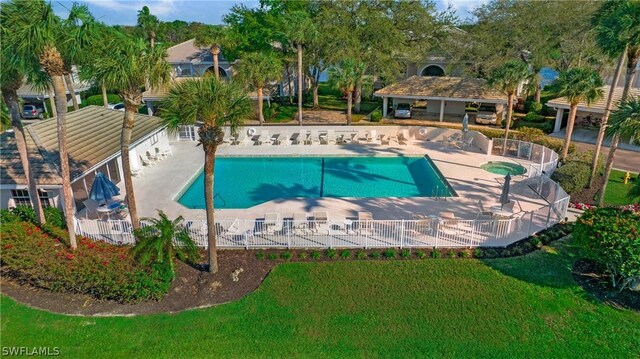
point(545, 159)
point(287, 233)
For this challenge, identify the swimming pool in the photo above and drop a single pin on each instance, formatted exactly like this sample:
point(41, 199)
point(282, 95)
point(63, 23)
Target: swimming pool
point(243, 182)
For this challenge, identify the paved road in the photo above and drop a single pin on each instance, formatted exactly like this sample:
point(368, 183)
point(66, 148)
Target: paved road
point(624, 160)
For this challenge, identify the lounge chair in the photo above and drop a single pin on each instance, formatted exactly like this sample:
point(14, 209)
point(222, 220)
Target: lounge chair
point(231, 231)
point(404, 137)
point(147, 162)
point(284, 139)
point(360, 137)
point(372, 136)
point(154, 158)
point(365, 223)
point(321, 222)
point(90, 207)
point(265, 138)
point(447, 215)
point(392, 139)
point(330, 137)
point(137, 172)
point(272, 222)
point(482, 211)
point(300, 223)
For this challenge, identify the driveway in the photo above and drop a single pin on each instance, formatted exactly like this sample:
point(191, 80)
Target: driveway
point(624, 160)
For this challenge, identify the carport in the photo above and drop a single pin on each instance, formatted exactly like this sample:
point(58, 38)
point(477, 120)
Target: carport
point(444, 95)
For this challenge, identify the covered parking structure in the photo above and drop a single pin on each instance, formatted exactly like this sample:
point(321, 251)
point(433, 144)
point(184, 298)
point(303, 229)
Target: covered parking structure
point(443, 95)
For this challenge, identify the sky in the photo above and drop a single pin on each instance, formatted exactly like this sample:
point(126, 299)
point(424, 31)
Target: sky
point(124, 12)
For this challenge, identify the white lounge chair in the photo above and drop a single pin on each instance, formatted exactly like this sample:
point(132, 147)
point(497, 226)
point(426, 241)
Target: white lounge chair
point(272, 222)
point(264, 139)
point(331, 137)
point(482, 211)
point(231, 231)
point(372, 136)
point(404, 137)
point(313, 138)
point(300, 224)
point(90, 207)
point(284, 139)
point(321, 222)
point(154, 158)
point(147, 162)
point(360, 137)
point(137, 172)
point(365, 223)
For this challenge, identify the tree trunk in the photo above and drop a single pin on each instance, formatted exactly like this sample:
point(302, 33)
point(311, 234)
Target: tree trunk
point(67, 193)
point(506, 128)
point(152, 39)
point(105, 98)
point(605, 119)
point(315, 84)
point(11, 99)
point(52, 103)
point(260, 116)
point(300, 83)
point(357, 96)
point(214, 52)
point(538, 93)
point(72, 92)
point(288, 71)
point(349, 104)
point(632, 62)
point(125, 140)
point(209, 168)
point(570, 122)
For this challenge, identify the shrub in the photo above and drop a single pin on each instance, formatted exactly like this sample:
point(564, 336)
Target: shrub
point(96, 100)
point(490, 253)
point(463, 254)
point(389, 253)
point(533, 117)
point(478, 253)
point(376, 115)
point(286, 255)
point(361, 255)
point(451, 254)
point(273, 256)
point(270, 112)
point(99, 269)
point(536, 242)
point(375, 255)
point(421, 254)
point(405, 253)
point(316, 255)
point(436, 254)
point(53, 216)
point(529, 134)
point(331, 253)
point(345, 254)
point(531, 106)
point(260, 255)
point(302, 255)
point(574, 174)
point(612, 239)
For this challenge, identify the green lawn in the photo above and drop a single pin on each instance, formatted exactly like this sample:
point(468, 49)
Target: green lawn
point(502, 308)
point(618, 192)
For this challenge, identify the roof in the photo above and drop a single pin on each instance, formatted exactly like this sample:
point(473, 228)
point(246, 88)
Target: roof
point(27, 90)
point(158, 93)
point(188, 52)
point(598, 106)
point(93, 136)
point(443, 87)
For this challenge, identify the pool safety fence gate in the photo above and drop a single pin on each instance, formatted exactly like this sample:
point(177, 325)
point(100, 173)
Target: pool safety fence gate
point(545, 159)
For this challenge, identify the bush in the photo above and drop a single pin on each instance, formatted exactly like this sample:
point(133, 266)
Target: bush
point(345, 254)
point(531, 106)
point(452, 254)
point(302, 255)
point(96, 100)
point(536, 242)
point(270, 112)
point(99, 269)
point(316, 255)
point(477, 253)
point(260, 255)
point(533, 117)
point(361, 255)
point(376, 115)
point(389, 253)
point(436, 254)
point(611, 238)
point(464, 254)
point(421, 254)
point(331, 253)
point(375, 255)
point(405, 253)
point(574, 174)
point(286, 255)
point(273, 256)
point(53, 216)
point(490, 253)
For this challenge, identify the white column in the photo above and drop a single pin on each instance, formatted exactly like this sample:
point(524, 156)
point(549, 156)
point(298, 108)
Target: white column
point(441, 110)
point(385, 106)
point(558, 123)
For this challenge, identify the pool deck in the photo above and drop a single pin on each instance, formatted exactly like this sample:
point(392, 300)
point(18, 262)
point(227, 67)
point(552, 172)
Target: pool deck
point(160, 186)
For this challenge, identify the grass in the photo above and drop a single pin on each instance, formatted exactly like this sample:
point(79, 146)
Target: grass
point(618, 192)
point(502, 308)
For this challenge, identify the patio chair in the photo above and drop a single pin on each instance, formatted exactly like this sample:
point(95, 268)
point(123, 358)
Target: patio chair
point(231, 231)
point(330, 137)
point(467, 143)
point(313, 138)
point(284, 139)
point(321, 222)
point(360, 137)
point(372, 136)
point(300, 224)
point(447, 215)
point(404, 137)
point(146, 162)
point(265, 138)
point(482, 211)
point(153, 158)
point(137, 172)
point(392, 139)
point(272, 222)
point(365, 223)
point(90, 207)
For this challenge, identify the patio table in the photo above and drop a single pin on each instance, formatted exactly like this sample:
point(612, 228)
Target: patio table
point(108, 209)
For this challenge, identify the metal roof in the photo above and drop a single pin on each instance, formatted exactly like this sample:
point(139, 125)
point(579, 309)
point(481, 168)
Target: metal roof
point(444, 88)
point(598, 106)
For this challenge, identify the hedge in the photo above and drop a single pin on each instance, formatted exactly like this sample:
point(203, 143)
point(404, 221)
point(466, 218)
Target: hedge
point(96, 100)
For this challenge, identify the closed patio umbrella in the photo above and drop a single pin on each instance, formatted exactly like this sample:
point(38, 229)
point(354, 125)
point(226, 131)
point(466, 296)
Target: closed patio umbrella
point(504, 197)
point(465, 125)
point(102, 189)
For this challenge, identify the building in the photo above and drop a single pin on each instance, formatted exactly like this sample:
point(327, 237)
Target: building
point(93, 143)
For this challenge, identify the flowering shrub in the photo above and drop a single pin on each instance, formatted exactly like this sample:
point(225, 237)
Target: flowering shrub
point(99, 269)
point(580, 206)
point(635, 208)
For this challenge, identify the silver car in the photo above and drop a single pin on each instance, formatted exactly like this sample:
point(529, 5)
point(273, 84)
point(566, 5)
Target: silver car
point(403, 110)
point(487, 115)
point(31, 111)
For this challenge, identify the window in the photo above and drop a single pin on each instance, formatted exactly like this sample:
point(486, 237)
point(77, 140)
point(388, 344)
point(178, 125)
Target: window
point(21, 197)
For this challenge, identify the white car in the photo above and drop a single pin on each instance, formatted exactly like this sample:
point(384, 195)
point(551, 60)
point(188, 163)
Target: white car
point(403, 110)
point(116, 106)
point(487, 115)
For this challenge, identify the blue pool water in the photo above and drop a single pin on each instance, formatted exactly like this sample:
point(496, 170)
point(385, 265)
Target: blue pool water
point(243, 182)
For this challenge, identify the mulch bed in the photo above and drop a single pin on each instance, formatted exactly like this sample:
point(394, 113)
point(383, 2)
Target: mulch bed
point(588, 195)
point(192, 288)
point(588, 275)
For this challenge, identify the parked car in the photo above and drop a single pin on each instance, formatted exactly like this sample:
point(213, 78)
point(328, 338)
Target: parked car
point(403, 110)
point(31, 111)
point(487, 114)
point(116, 106)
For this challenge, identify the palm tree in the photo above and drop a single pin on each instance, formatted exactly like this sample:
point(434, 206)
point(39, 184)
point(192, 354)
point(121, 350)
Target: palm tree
point(131, 65)
point(10, 82)
point(213, 37)
point(577, 85)
point(344, 78)
point(257, 70)
point(215, 104)
point(618, 25)
point(40, 82)
point(34, 41)
point(163, 240)
point(149, 23)
point(507, 77)
point(299, 29)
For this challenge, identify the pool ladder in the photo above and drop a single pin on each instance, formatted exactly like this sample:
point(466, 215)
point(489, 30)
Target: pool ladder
point(437, 194)
point(217, 195)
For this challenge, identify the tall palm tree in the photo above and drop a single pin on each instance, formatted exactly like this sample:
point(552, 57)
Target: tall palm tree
point(131, 65)
point(576, 85)
point(299, 29)
point(344, 77)
point(215, 104)
point(619, 25)
point(40, 82)
point(214, 37)
point(149, 23)
point(257, 69)
point(35, 41)
point(506, 78)
point(10, 82)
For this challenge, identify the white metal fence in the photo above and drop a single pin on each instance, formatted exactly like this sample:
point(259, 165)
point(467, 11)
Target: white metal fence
point(545, 159)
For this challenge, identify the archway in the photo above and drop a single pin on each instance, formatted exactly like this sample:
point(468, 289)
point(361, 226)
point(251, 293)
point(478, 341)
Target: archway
point(432, 70)
point(221, 71)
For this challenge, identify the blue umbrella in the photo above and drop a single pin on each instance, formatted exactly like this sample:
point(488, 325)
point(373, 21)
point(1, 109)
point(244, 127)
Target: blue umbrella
point(102, 189)
point(504, 197)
